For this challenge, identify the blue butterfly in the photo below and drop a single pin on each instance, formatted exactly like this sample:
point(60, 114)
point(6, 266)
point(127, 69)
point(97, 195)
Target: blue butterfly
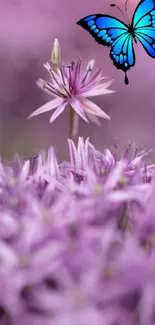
point(119, 36)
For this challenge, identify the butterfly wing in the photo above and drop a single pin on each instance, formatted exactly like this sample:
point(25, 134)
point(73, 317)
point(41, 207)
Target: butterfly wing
point(143, 23)
point(112, 32)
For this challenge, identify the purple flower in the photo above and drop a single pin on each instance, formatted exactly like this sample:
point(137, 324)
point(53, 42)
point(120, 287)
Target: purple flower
point(85, 155)
point(70, 87)
point(77, 239)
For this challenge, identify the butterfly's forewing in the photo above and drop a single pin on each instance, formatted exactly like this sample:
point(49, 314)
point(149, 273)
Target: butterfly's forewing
point(112, 32)
point(143, 23)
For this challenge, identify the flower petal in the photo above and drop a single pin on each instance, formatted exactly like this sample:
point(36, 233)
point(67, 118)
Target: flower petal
point(48, 88)
point(76, 73)
point(90, 64)
point(95, 77)
point(92, 108)
point(77, 106)
point(87, 73)
point(73, 153)
point(93, 118)
point(59, 110)
point(114, 176)
point(99, 90)
point(47, 107)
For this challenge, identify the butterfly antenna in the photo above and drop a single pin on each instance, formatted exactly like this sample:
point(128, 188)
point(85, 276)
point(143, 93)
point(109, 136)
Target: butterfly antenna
point(126, 17)
point(126, 11)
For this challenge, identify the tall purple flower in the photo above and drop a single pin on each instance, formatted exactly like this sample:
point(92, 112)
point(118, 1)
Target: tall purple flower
point(70, 87)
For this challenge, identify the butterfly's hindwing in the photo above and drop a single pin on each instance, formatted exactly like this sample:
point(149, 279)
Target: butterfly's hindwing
point(123, 56)
point(111, 32)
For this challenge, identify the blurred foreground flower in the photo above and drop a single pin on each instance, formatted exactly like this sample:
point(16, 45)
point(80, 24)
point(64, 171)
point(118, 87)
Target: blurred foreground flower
point(71, 86)
point(77, 239)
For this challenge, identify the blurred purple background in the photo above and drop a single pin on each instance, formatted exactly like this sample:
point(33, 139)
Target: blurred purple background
point(27, 31)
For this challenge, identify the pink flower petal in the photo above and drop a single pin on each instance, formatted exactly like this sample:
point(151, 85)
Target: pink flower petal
point(98, 90)
point(72, 152)
point(90, 64)
point(93, 84)
point(114, 176)
point(92, 108)
point(47, 107)
point(56, 78)
point(59, 110)
point(76, 73)
point(95, 77)
point(93, 118)
point(86, 74)
point(77, 106)
point(40, 83)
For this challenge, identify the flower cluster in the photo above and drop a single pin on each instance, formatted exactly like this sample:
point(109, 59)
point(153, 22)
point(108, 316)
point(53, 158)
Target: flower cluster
point(77, 239)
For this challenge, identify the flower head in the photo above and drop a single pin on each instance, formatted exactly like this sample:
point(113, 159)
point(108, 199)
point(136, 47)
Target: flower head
point(71, 86)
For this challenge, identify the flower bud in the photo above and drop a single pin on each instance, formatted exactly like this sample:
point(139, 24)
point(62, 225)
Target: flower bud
point(56, 54)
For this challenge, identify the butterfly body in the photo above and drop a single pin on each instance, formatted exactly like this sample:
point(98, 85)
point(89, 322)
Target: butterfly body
point(132, 32)
point(119, 36)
